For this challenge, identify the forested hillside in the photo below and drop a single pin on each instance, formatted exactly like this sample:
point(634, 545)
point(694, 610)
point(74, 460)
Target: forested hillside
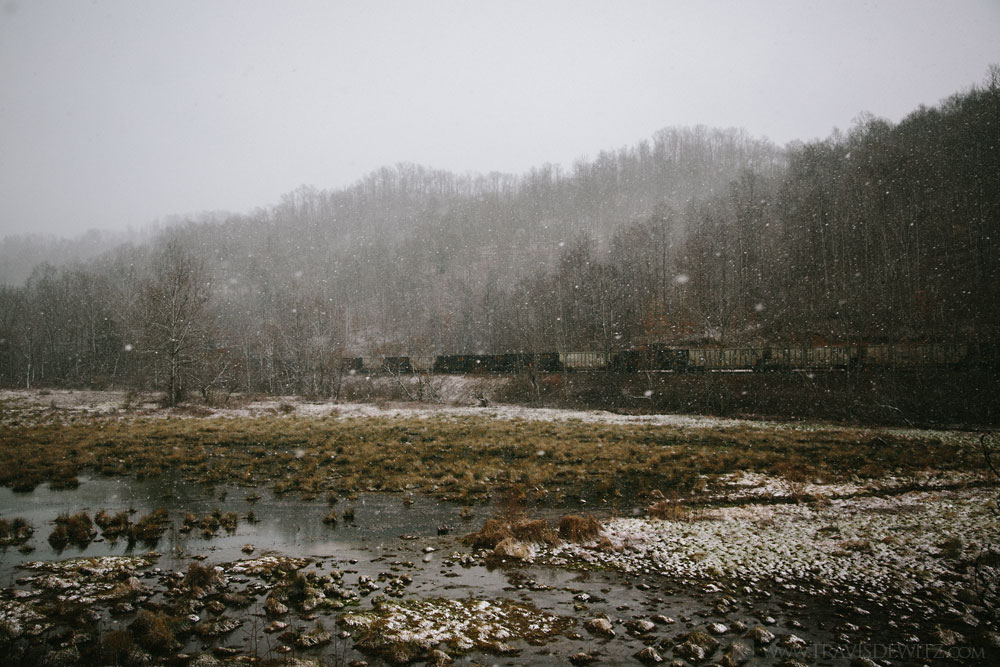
point(885, 232)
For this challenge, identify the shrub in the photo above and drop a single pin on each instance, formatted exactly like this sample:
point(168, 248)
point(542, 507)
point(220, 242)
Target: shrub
point(152, 631)
point(115, 647)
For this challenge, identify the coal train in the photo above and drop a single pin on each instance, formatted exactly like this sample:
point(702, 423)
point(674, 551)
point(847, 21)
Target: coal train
point(676, 359)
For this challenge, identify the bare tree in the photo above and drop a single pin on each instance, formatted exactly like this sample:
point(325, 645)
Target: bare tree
point(173, 301)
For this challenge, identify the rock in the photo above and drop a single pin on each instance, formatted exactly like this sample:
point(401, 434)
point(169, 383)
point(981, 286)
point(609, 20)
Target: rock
point(649, 656)
point(969, 620)
point(64, 657)
point(703, 640)
point(122, 609)
point(718, 628)
point(737, 654)
point(204, 660)
point(276, 626)
point(600, 626)
point(739, 626)
point(946, 637)
point(274, 608)
point(234, 600)
point(863, 662)
point(760, 635)
point(217, 627)
point(690, 651)
point(697, 646)
point(581, 658)
point(314, 638)
point(792, 643)
point(512, 549)
point(640, 626)
point(438, 658)
point(662, 620)
point(248, 548)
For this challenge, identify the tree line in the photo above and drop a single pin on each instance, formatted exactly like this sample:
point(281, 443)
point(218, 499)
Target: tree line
point(885, 232)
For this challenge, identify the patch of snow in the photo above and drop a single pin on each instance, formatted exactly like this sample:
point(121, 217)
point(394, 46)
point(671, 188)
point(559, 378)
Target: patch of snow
point(861, 544)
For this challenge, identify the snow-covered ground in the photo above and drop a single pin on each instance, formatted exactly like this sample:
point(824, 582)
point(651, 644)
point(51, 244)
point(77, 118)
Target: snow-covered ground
point(747, 485)
point(866, 544)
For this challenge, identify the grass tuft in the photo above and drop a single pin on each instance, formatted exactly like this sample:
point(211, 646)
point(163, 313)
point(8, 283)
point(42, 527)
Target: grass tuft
point(76, 529)
point(574, 528)
point(153, 631)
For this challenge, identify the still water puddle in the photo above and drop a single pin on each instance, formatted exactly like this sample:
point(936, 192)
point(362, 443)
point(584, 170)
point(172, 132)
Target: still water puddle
point(382, 522)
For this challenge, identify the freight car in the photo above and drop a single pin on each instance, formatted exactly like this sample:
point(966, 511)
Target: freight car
point(497, 363)
point(662, 358)
point(584, 361)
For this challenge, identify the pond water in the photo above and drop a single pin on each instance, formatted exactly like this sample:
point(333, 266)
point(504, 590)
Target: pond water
point(390, 531)
point(286, 525)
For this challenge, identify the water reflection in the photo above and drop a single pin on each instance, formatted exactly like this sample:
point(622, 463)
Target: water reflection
point(285, 524)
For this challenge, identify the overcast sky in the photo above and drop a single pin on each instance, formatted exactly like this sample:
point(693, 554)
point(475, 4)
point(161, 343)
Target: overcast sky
point(119, 113)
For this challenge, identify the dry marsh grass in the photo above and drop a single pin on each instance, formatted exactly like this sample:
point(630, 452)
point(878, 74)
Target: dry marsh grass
point(498, 530)
point(574, 528)
point(76, 529)
point(154, 631)
point(15, 532)
point(464, 459)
